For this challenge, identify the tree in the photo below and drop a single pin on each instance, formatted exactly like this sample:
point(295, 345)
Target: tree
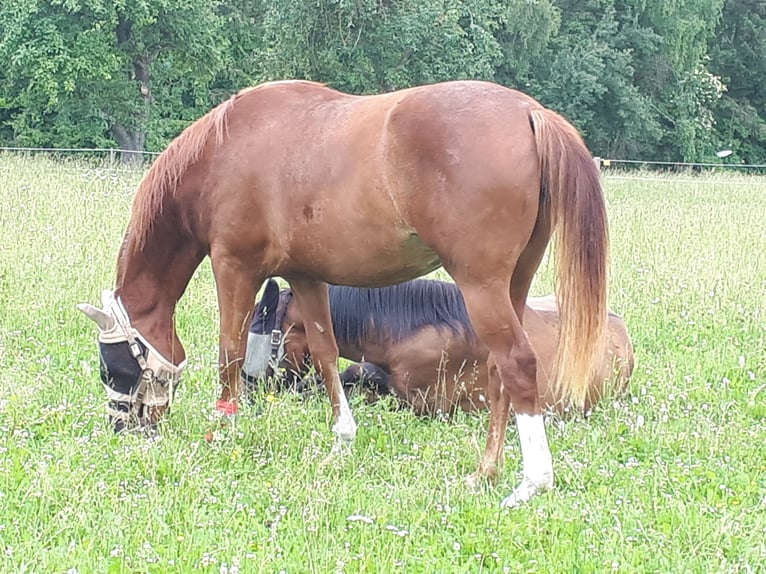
point(585, 71)
point(631, 74)
point(82, 70)
point(373, 45)
point(524, 33)
point(738, 55)
point(655, 79)
point(671, 71)
point(242, 28)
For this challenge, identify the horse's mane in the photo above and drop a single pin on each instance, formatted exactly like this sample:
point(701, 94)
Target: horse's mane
point(185, 150)
point(397, 311)
point(165, 173)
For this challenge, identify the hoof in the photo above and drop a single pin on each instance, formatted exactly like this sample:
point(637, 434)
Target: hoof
point(345, 431)
point(226, 408)
point(340, 450)
point(525, 491)
point(484, 477)
point(223, 417)
point(219, 433)
point(475, 482)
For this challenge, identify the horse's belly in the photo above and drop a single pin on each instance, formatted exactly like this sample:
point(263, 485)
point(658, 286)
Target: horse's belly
point(363, 258)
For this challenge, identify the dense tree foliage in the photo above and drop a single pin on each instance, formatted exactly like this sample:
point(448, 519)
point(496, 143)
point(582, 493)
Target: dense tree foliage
point(93, 72)
point(650, 79)
point(738, 56)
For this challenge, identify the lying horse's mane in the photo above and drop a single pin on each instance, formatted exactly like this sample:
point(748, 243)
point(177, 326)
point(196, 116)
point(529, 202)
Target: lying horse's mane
point(397, 311)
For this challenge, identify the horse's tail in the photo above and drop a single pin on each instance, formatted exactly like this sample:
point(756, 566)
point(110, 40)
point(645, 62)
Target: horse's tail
point(571, 189)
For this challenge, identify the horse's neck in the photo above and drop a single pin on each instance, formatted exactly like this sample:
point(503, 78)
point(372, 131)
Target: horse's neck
point(150, 281)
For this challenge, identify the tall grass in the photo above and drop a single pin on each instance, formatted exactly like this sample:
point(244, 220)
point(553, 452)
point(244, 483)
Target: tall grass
point(671, 478)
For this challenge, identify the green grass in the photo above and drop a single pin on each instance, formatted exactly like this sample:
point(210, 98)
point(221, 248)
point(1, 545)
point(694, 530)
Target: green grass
point(671, 478)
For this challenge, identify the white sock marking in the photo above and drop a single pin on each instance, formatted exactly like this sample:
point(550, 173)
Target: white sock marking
point(537, 462)
point(345, 426)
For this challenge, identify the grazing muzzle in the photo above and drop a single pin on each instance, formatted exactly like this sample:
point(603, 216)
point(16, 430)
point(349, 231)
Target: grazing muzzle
point(138, 380)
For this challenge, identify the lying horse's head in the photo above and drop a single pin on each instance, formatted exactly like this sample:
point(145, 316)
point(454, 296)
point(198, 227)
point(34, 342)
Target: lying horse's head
point(276, 344)
point(139, 381)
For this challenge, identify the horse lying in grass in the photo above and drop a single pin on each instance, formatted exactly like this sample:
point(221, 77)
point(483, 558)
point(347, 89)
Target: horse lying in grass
point(297, 180)
point(415, 340)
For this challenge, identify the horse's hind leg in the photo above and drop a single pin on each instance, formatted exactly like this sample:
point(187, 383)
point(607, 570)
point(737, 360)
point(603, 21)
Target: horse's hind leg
point(314, 304)
point(512, 370)
point(535, 452)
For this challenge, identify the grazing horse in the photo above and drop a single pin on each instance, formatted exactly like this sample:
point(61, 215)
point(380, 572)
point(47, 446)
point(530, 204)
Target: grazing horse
point(415, 340)
point(297, 180)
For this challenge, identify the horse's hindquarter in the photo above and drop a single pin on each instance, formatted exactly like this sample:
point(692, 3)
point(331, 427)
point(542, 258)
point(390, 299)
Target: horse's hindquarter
point(542, 323)
point(365, 190)
point(466, 171)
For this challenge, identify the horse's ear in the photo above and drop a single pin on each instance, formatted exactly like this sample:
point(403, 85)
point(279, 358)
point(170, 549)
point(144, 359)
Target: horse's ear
point(104, 321)
point(107, 298)
point(265, 317)
point(271, 293)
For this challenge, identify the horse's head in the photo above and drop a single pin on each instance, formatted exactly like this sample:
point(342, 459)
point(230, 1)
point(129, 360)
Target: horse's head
point(139, 381)
point(276, 344)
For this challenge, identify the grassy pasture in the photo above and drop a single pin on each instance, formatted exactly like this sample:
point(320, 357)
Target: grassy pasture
point(671, 478)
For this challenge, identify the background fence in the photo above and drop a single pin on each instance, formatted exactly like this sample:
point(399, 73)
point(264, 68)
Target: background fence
point(112, 158)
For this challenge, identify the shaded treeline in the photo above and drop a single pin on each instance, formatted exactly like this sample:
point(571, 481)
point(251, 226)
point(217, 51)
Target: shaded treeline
point(669, 80)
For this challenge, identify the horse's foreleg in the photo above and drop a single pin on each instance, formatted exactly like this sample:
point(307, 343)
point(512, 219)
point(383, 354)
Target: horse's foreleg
point(236, 296)
point(314, 304)
point(512, 370)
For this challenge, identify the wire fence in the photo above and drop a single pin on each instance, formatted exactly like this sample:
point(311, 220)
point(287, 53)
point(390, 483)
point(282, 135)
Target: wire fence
point(605, 162)
point(112, 153)
point(132, 161)
point(679, 172)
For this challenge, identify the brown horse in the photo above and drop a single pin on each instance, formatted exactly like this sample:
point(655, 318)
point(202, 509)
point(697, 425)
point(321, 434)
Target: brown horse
point(415, 340)
point(298, 180)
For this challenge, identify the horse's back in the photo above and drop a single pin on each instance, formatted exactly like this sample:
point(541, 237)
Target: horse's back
point(304, 172)
point(466, 143)
point(320, 139)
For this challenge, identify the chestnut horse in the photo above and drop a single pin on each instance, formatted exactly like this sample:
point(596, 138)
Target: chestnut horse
point(297, 180)
point(415, 340)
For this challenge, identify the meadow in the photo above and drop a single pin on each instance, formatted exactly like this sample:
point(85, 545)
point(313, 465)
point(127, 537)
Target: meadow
point(669, 478)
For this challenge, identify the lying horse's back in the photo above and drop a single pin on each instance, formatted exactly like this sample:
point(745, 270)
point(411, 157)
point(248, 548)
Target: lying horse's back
point(383, 167)
point(439, 369)
point(542, 321)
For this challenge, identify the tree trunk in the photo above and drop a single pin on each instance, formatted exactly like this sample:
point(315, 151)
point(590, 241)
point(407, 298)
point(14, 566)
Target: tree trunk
point(132, 139)
point(131, 142)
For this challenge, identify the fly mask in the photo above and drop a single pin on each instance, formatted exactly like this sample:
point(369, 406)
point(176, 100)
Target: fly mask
point(265, 339)
point(136, 377)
